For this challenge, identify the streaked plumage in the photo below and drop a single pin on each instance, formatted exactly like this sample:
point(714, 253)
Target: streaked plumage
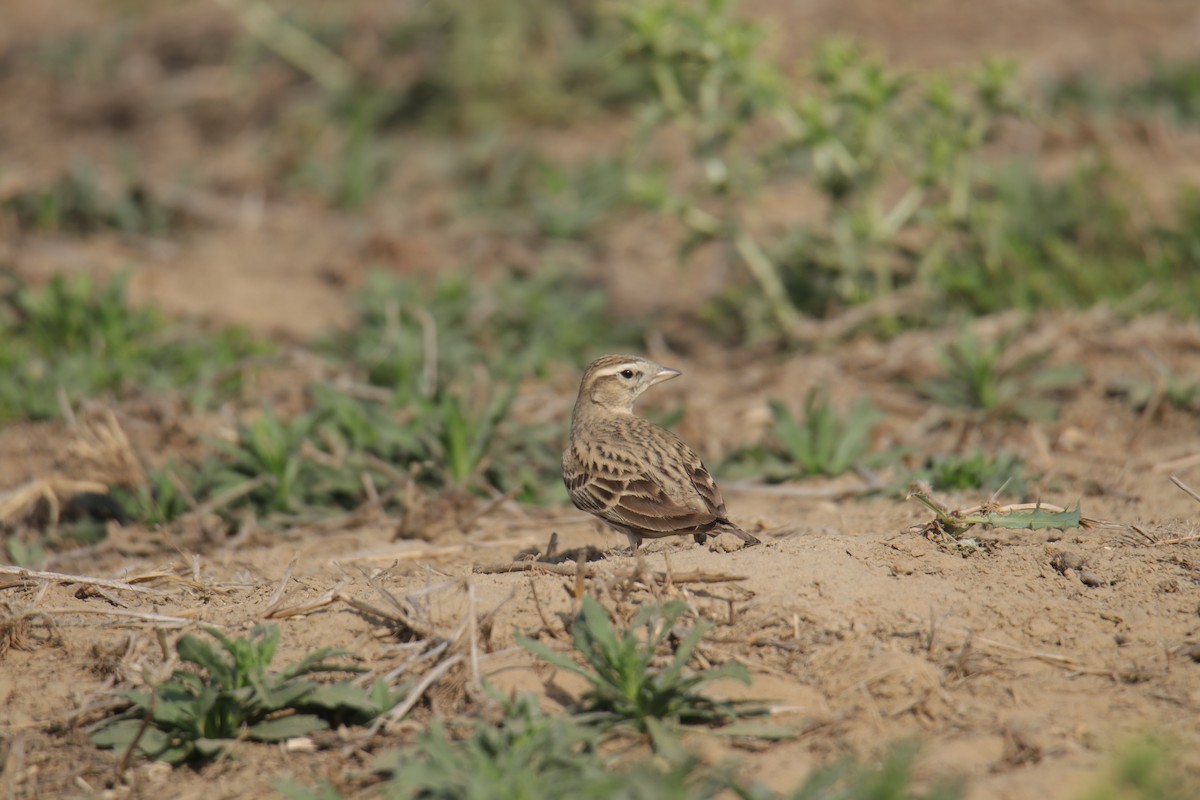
point(639, 478)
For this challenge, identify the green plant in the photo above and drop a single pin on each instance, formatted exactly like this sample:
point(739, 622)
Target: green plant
point(268, 452)
point(512, 181)
point(1030, 242)
point(194, 715)
point(1173, 390)
point(541, 61)
point(980, 470)
point(1171, 86)
point(1146, 768)
point(77, 203)
point(856, 131)
point(890, 779)
point(526, 755)
point(158, 501)
point(989, 380)
point(80, 336)
point(624, 686)
point(823, 442)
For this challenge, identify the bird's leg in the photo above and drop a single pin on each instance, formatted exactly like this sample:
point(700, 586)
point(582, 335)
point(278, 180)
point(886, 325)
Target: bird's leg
point(635, 541)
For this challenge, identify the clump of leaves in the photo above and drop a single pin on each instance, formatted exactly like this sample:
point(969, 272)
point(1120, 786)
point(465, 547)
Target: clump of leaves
point(160, 500)
point(890, 779)
point(1174, 86)
point(526, 755)
point(77, 203)
point(625, 688)
point(267, 463)
point(856, 131)
point(980, 470)
point(417, 337)
point(1146, 768)
point(81, 336)
point(562, 201)
point(231, 694)
point(1166, 387)
point(539, 60)
point(822, 442)
point(988, 379)
point(1030, 242)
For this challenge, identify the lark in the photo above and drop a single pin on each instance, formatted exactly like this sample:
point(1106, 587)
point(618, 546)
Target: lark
point(639, 478)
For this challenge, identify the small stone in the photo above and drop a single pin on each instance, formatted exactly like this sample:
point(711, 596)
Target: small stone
point(1063, 560)
point(1091, 579)
point(725, 543)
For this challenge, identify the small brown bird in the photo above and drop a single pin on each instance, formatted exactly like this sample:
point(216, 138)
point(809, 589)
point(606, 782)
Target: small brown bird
point(639, 478)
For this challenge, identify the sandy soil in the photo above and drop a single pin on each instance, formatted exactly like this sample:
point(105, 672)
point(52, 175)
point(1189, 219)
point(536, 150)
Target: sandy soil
point(861, 628)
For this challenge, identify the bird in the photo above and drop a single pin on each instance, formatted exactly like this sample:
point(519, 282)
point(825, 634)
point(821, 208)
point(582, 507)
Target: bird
point(641, 479)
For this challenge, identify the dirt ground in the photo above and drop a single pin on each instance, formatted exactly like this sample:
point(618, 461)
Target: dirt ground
point(858, 628)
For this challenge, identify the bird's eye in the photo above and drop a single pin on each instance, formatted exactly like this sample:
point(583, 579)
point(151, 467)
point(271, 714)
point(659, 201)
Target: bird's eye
point(627, 374)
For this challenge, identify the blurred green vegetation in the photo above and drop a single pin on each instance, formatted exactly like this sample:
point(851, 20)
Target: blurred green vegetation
point(80, 338)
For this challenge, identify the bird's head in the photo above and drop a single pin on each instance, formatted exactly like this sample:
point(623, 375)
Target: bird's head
point(614, 382)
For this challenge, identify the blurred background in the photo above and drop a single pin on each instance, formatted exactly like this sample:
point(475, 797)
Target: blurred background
point(283, 278)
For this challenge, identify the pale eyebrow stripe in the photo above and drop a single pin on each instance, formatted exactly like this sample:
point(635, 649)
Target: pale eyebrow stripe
point(615, 369)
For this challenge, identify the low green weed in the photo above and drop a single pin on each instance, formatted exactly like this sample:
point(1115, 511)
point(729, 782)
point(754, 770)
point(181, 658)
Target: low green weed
point(539, 61)
point(853, 128)
point(986, 379)
point(822, 442)
point(413, 336)
point(232, 693)
point(625, 689)
point(890, 779)
point(1146, 768)
point(1171, 87)
point(76, 203)
point(268, 452)
point(80, 336)
point(1176, 391)
point(563, 202)
point(160, 500)
point(980, 470)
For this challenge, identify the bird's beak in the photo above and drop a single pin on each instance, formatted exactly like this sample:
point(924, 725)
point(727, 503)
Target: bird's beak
point(665, 374)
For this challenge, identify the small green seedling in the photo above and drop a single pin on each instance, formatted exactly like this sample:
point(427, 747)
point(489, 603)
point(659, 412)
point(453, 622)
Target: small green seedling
point(980, 470)
point(822, 442)
point(986, 380)
point(196, 714)
point(625, 689)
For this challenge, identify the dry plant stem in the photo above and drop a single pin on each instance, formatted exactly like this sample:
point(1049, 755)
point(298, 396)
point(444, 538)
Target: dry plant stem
point(473, 633)
point(116, 612)
point(764, 272)
point(1189, 491)
point(228, 496)
point(123, 764)
point(304, 608)
point(537, 603)
point(589, 571)
point(1177, 464)
point(293, 45)
point(395, 617)
point(35, 575)
point(398, 713)
point(277, 597)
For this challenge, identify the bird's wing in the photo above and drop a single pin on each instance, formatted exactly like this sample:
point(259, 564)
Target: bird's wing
point(625, 491)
